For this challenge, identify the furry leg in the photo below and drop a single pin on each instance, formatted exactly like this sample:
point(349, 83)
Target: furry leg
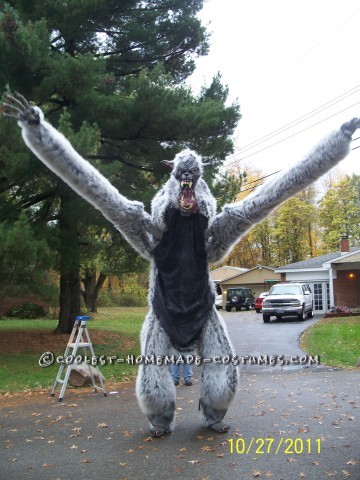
point(155, 389)
point(218, 381)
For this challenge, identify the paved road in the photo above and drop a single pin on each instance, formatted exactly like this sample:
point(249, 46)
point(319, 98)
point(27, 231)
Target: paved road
point(288, 422)
point(251, 337)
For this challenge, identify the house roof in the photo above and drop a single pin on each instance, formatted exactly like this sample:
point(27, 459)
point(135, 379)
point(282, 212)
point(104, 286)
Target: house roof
point(261, 268)
point(222, 273)
point(354, 258)
point(317, 262)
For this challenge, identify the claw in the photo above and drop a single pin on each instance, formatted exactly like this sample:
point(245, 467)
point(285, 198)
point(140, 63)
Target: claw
point(22, 99)
point(12, 107)
point(13, 102)
point(16, 106)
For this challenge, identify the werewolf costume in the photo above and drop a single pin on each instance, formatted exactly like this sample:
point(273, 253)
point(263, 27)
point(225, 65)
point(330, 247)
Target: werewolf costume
point(180, 237)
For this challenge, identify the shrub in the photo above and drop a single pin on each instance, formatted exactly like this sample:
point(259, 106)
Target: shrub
point(123, 299)
point(339, 309)
point(27, 310)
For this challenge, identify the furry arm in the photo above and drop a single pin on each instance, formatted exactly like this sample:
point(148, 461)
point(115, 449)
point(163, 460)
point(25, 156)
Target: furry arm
point(236, 219)
point(56, 152)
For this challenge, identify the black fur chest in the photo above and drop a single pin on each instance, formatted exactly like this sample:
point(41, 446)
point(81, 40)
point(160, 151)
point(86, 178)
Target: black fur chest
point(182, 297)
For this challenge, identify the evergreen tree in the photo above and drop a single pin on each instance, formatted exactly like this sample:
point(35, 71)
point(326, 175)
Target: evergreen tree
point(24, 258)
point(110, 74)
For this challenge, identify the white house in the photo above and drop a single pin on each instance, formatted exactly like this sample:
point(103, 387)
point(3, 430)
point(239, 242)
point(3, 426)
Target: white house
point(334, 278)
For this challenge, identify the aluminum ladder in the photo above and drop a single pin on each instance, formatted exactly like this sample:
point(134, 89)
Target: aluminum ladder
point(78, 332)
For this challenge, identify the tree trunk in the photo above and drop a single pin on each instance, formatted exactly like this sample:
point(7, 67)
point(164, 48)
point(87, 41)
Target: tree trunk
point(92, 288)
point(69, 263)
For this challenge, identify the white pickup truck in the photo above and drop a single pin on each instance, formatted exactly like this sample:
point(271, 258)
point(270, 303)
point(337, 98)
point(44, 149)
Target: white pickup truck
point(288, 299)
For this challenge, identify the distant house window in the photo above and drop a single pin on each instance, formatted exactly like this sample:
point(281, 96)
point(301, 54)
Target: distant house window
point(328, 295)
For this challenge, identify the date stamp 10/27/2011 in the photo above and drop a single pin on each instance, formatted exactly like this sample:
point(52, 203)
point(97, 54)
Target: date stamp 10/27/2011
point(276, 446)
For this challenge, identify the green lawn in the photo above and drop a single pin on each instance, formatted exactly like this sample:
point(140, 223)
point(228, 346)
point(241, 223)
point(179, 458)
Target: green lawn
point(119, 328)
point(335, 340)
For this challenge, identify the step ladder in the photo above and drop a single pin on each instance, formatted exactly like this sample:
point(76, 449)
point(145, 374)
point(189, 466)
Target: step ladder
point(75, 342)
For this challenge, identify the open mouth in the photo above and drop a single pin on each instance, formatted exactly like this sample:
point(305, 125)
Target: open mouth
point(186, 184)
point(188, 203)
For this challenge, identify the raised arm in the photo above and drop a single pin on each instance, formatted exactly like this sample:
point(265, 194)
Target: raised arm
point(56, 152)
point(236, 219)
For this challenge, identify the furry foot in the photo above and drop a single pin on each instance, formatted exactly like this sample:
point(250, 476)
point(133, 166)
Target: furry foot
point(219, 427)
point(157, 431)
point(211, 416)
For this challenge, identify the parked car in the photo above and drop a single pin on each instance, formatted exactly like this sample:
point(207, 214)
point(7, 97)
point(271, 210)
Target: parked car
point(218, 302)
point(238, 297)
point(259, 301)
point(218, 296)
point(288, 299)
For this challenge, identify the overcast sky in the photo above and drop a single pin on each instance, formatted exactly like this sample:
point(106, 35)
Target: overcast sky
point(283, 60)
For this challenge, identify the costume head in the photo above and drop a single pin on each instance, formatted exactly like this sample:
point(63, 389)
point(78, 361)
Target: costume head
point(187, 168)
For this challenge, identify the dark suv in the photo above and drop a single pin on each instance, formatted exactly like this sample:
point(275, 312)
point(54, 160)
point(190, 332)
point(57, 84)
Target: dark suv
point(238, 297)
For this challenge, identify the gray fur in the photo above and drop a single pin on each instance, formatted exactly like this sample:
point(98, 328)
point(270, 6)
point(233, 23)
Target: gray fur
point(154, 387)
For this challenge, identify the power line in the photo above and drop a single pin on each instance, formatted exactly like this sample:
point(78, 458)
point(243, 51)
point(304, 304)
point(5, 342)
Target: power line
point(274, 173)
point(301, 119)
point(290, 136)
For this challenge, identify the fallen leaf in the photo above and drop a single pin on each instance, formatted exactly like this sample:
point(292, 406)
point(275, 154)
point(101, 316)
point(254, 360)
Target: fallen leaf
point(86, 460)
point(102, 425)
point(352, 462)
point(256, 473)
point(303, 429)
point(46, 465)
point(207, 448)
point(192, 462)
point(345, 473)
point(220, 455)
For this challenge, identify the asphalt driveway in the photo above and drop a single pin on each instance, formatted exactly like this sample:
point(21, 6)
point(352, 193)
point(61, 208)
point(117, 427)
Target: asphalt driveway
point(288, 421)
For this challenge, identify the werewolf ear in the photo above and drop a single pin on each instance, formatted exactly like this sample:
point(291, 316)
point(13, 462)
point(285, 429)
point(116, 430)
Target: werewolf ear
point(168, 163)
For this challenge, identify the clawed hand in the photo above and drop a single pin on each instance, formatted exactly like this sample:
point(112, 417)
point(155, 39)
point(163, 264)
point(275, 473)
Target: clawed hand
point(19, 108)
point(349, 128)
